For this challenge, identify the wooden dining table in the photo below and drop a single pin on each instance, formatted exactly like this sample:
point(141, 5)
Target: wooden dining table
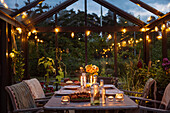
point(54, 104)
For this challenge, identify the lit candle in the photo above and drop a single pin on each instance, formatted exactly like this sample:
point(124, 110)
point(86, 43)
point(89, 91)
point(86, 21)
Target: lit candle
point(84, 78)
point(101, 82)
point(91, 79)
point(119, 97)
point(81, 79)
point(110, 98)
point(103, 96)
point(65, 100)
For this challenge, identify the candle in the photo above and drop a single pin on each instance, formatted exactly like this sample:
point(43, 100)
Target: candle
point(65, 100)
point(84, 79)
point(101, 82)
point(91, 79)
point(119, 97)
point(110, 98)
point(103, 96)
point(81, 79)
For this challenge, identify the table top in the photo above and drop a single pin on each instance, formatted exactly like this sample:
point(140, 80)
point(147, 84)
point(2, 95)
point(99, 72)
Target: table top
point(55, 103)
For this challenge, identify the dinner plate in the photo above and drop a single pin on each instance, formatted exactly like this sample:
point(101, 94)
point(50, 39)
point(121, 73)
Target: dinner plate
point(107, 86)
point(71, 87)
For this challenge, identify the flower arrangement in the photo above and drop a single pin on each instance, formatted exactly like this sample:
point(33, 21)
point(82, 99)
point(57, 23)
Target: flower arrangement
point(92, 69)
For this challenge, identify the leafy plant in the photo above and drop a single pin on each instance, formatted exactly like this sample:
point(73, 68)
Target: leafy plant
point(48, 64)
point(17, 64)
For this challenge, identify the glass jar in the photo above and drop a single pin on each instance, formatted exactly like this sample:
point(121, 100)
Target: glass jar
point(95, 94)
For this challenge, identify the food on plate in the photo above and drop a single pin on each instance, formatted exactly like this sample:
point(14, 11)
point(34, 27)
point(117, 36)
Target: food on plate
point(80, 96)
point(69, 82)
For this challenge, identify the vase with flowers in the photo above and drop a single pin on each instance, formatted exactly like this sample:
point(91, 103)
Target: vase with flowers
point(91, 70)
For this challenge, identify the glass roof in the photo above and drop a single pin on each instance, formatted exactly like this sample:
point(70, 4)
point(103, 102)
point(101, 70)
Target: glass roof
point(130, 7)
point(92, 7)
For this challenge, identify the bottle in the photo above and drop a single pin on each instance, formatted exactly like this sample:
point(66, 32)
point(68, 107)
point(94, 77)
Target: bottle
point(95, 94)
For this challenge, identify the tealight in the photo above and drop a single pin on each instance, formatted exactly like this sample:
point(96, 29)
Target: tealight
point(110, 98)
point(119, 97)
point(65, 100)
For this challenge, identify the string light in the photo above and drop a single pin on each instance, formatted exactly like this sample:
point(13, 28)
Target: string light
point(41, 41)
point(137, 41)
point(29, 33)
point(147, 37)
point(140, 39)
point(163, 26)
point(19, 30)
point(112, 44)
point(36, 37)
point(124, 43)
point(149, 40)
point(34, 31)
point(156, 28)
point(138, 4)
point(57, 30)
point(87, 33)
point(24, 15)
point(12, 55)
point(109, 36)
point(2, 1)
point(5, 5)
point(72, 34)
point(124, 30)
point(96, 50)
point(38, 40)
point(159, 37)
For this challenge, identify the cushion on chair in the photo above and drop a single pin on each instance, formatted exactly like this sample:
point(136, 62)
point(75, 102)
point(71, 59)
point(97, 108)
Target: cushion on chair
point(35, 88)
point(166, 97)
point(22, 96)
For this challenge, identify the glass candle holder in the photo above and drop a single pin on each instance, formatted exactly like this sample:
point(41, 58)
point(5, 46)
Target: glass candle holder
point(119, 97)
point(65, 100)
point(101, 83)
point(110, 98)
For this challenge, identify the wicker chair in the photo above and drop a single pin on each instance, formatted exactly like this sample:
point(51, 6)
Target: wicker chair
point(107, 80)
point(37, 91)
point(22, 100)
point(164, 104)
point(150, 84)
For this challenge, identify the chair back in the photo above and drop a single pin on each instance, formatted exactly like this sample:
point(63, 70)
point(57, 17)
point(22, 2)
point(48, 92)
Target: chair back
point(35, 88)
point(147, 90)
point(107, 80)
point(21, 96)
point(166, 97)
point(151, 82)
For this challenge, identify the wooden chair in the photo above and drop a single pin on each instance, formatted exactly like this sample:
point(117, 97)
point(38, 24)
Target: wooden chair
point(150, 84)
point(107, 80)
point(37, 91)
point(164, 104)
point(22, 100)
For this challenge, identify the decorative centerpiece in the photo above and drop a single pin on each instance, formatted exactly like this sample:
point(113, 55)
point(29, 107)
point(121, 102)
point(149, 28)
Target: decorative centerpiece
point(91, 70)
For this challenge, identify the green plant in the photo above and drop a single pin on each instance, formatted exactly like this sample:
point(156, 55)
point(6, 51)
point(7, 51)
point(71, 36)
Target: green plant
point(48, 64)
point(17, 64)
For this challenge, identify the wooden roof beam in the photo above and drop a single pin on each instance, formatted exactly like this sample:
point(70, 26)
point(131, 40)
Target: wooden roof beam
point(121, 12)
point(91, 28)
point(27, 7)
point(147, 7)
point(159, 21)
point(52, 11)
point(10, 20)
